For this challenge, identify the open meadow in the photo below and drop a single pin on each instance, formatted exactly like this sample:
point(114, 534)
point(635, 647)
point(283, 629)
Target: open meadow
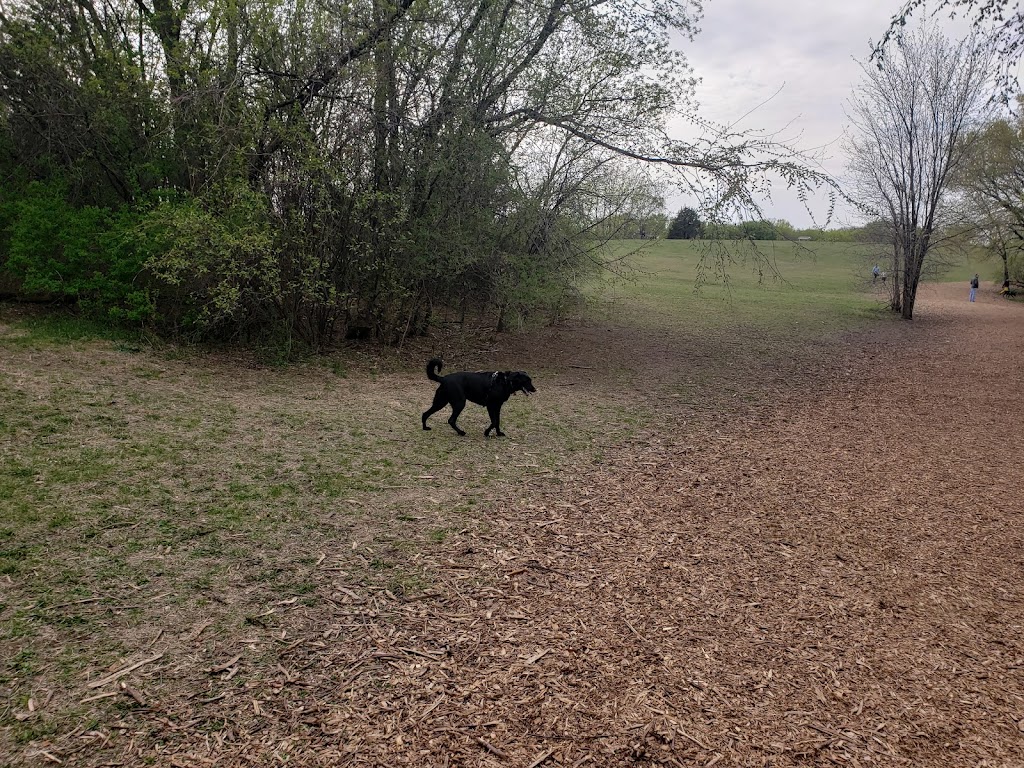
point(748, 519)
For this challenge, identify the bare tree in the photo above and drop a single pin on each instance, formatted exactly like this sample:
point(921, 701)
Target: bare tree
point(911, 116)
point(999, 23)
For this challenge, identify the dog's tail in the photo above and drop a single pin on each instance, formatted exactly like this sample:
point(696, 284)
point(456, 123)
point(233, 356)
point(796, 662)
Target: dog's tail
point(433, 366)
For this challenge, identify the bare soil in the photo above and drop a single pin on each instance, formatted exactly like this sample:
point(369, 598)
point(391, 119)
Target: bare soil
point(818, 561)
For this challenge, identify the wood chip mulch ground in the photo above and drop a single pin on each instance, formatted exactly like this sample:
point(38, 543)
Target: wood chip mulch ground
point(836, 580)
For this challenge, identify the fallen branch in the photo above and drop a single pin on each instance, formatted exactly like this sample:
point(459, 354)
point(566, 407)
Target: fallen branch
point(541, 758)
point(73, 602)
point(106, 695)
point(197, 630)
point(122, 672)
point(133, 693)
point(225, 666)
point(490, 747)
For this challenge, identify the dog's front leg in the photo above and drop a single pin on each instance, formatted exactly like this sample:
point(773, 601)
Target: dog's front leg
point(495, 413)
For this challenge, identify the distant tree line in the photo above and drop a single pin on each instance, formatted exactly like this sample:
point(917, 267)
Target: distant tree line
point(687, 225)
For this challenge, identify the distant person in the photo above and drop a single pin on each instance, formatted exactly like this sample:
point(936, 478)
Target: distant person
point(974, 286)
point(875, 272)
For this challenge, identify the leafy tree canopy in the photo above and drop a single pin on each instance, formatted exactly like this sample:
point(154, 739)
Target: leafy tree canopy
point(991, 184)
point(226, 167)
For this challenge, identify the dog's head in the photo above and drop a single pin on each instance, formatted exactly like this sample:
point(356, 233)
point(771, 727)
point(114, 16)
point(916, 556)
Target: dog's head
point(518, 381)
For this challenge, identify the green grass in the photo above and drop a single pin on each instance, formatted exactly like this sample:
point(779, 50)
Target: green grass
point(64, 327)
point(777, 287)
point(771, 287)
point(961, 268)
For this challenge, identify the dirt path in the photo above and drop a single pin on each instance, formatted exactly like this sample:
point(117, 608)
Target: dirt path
point(834, 579)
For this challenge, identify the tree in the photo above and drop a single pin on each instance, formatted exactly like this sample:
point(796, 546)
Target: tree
point(1000, 23)
point(759, 230)
point(685, 226)
point(784, 230)
point(1002, 236)
point(992, 184)
point(910, 117)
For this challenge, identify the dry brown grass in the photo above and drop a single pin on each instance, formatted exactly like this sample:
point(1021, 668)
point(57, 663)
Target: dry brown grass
point(693, 551)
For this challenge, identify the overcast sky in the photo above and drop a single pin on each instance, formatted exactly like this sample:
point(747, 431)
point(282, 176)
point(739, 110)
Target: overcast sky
point(748, 50)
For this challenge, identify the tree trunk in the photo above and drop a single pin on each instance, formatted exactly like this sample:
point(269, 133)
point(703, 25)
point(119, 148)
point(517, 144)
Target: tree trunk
point(912, 278)
point(895, 287)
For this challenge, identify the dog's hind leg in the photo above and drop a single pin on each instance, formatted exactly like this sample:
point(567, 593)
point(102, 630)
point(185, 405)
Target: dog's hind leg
point(440, 401)
point(495, 412)
point(457, 406)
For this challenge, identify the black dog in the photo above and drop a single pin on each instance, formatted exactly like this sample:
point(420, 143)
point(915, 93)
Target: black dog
point(490, 389)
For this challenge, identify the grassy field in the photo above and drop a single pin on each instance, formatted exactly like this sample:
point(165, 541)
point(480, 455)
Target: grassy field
point(148, 488)
point(782, 285)
point(775, 286)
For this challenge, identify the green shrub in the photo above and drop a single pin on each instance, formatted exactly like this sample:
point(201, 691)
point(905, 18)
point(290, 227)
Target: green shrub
point(79, 254)
point(213, 259)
